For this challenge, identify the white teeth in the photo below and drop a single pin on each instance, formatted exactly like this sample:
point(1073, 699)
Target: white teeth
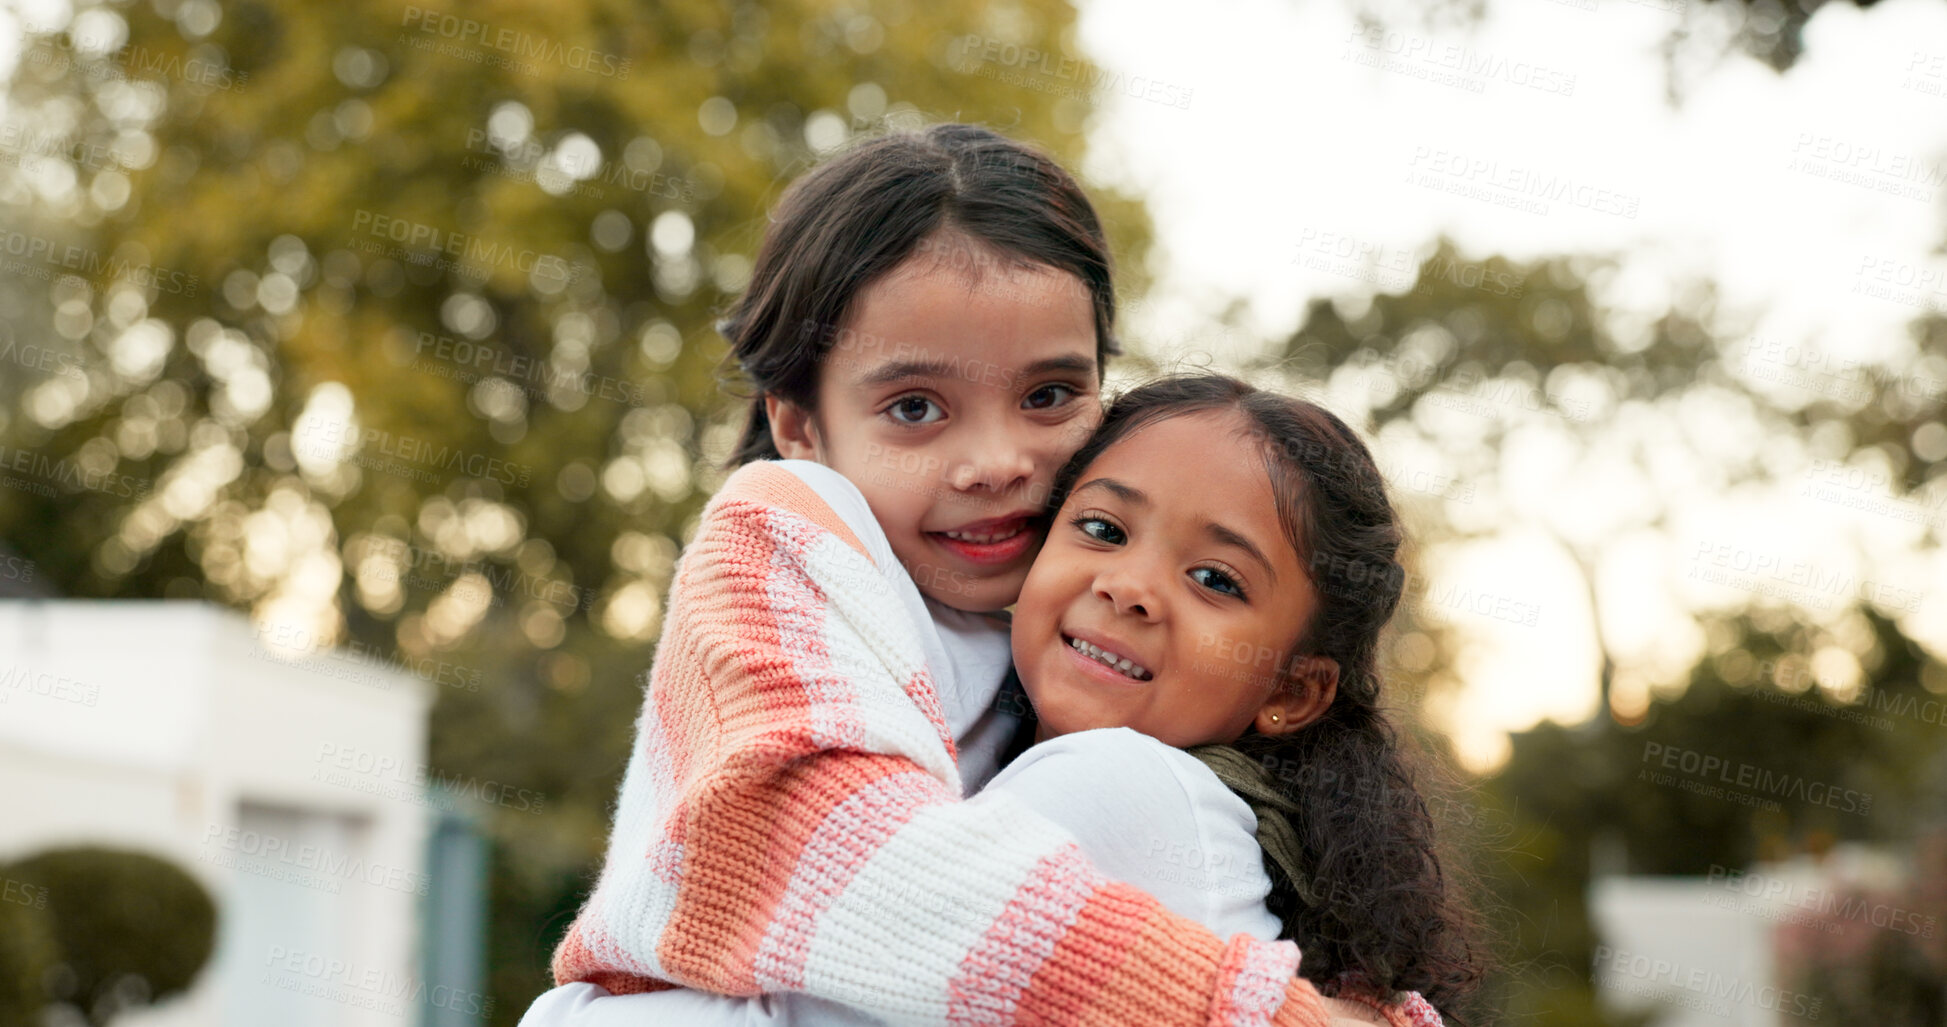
point(1107, 658)
point(986, 539)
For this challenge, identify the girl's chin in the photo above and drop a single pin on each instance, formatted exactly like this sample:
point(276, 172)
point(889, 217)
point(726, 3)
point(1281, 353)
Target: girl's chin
point(1060, 722)
point(962, 589)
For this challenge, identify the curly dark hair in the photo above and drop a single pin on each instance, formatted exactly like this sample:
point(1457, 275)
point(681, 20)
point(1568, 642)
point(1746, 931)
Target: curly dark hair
point(1356, 871)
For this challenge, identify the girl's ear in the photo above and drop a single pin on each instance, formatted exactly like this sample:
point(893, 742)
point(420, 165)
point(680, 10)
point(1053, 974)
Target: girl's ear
point(1302, 698)
point(793, 430)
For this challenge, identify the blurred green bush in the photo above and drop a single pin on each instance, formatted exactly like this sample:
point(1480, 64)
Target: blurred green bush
point(100, 929)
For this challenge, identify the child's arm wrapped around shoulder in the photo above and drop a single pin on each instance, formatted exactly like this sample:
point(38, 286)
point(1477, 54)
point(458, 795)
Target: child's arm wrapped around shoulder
point(790, 821)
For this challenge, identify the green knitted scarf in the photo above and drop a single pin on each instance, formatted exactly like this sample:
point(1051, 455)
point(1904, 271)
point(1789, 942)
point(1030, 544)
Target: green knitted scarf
point(1252, 782)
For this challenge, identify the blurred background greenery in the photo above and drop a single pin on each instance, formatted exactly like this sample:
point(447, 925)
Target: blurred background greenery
point(399, 334)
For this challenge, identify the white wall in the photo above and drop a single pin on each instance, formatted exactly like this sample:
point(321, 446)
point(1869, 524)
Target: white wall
point(1667, 942)
point(291, 790)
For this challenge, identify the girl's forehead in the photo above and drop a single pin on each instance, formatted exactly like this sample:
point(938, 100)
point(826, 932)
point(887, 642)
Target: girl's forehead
point(1220, 428)
point(1199, 457)
point(978, 271)
point(997, 334)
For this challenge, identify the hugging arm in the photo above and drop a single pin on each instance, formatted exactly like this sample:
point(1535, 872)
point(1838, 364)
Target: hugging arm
point(790, 821)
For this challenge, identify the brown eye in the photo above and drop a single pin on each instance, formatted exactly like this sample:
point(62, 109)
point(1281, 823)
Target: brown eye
point(1050, 396)
point(1216, 581)
point(914, 410)
point(1100, 530)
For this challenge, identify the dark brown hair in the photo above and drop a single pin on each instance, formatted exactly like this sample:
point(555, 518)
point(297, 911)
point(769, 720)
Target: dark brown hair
point(849, 221)
point(1361, 887)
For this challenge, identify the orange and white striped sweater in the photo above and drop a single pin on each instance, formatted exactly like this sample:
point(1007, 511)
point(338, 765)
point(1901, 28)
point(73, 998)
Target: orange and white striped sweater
point(790, 821)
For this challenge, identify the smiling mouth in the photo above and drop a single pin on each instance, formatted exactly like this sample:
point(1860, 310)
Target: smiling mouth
point(1122, 664)
point(992, 544)
point(985, 538)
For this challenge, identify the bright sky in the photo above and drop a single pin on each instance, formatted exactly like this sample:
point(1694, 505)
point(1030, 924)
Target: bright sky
point(1782, 189)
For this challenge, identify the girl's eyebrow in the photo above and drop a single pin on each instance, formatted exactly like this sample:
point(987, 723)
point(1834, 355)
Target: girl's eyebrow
point(972, 370)
point(902, 370)
point(1072, 362)
point(1137, 497)
point(1229, 537)
point(1127, 493)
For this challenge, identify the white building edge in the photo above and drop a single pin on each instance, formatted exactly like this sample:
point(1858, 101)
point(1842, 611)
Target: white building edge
point(1702, 951)
point(294, 791)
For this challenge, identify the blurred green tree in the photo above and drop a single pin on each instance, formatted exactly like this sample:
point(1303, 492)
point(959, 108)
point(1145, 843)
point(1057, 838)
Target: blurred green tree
point(392, 323)
point(1482, 361)
point(1477, 360)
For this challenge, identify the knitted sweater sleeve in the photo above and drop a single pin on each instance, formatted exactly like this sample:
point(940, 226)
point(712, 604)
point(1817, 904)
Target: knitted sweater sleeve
point(790, 821)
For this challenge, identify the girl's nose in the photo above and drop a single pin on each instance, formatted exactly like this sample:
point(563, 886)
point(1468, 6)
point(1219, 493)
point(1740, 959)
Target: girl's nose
point(998, 465)
point(1129, 590)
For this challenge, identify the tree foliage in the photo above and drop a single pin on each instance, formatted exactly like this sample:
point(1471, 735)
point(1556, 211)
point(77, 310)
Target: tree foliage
point(393, 324)
point(1480, 358)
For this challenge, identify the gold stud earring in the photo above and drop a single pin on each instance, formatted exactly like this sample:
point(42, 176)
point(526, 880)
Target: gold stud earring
point(1274, 718)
